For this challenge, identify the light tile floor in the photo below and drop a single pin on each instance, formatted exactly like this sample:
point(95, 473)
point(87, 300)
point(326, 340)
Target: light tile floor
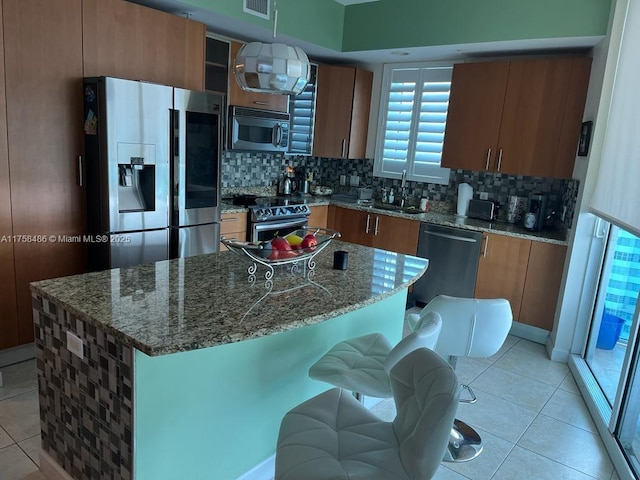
point(529, 412)
point(534, 422)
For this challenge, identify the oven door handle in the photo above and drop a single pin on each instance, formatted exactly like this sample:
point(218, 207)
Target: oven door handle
point(277, 135)
point(261, 227)
point(257, 228)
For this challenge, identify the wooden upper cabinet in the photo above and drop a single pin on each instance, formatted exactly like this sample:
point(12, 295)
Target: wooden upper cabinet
point(8, 312)
point(542, 286)
point(502, 269)
point(43, 74)
point(264, 101)
point(572, 121)
point(521, 117)
point(125, 40)
point(473, 118)
point(535, 116)
point(342, 112)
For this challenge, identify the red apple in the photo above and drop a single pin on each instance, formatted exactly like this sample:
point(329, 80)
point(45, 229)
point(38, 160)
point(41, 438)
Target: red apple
point(309, 241)
point(279, 243)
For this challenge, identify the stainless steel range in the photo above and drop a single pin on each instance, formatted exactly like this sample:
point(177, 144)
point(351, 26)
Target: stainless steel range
point(273, 216)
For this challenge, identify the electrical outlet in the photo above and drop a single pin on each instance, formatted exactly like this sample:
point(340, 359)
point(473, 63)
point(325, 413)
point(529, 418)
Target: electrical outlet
point(74, 345)
point(343, 179)
point(354, 180)
point(484, 195)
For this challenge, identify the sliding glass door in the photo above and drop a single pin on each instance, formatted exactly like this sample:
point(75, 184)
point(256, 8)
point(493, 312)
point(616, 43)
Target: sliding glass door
point(628, 432)
point(614, 310)
point(612, 353)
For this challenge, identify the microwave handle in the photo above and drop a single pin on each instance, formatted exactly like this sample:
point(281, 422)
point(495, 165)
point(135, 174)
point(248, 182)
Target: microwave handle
point(277, 135)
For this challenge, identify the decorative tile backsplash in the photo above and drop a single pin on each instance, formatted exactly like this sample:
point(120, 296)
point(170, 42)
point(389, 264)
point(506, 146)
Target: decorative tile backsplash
point(86, 405)
point(249, 169)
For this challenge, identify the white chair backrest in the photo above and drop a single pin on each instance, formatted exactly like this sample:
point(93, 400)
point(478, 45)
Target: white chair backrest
point(470, 326)
point(426, 391)
point(425, 336)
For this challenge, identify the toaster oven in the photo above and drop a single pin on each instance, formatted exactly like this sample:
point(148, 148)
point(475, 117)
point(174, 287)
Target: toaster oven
point(483, 210)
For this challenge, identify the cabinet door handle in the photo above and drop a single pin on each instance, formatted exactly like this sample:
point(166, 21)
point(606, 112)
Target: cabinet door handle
point(344, 144)
point(499, 159)
point(80, 171)
point(366, 230)
point(486, 165)
point(258, 102)
point(375, 230)
point(486, 242)
point(229, 219)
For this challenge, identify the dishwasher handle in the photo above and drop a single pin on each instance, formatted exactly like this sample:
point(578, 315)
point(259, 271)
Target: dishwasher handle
point(450, 237)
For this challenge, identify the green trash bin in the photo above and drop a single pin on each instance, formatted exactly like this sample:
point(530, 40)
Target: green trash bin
point(610, 329)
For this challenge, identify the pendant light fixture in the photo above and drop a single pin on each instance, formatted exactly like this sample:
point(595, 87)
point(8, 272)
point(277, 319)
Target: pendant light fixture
point(272, 67)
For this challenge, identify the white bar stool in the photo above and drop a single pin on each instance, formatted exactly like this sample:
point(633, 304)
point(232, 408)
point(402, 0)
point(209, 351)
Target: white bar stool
point(470, 328)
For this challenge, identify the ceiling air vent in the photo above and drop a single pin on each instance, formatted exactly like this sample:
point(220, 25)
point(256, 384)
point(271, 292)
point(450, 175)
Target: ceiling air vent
point(259, 8)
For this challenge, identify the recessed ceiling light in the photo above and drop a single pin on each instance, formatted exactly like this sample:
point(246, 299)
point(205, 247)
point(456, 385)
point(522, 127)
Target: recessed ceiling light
point(400, 53)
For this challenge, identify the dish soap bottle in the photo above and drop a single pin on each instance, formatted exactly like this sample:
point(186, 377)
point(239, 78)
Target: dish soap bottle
point(391, 196)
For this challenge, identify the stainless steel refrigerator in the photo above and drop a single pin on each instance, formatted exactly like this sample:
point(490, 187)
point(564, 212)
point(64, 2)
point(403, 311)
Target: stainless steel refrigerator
point(152, 156)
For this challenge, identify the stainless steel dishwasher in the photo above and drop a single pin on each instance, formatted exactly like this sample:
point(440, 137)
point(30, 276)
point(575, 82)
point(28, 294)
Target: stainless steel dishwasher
point(453, 255)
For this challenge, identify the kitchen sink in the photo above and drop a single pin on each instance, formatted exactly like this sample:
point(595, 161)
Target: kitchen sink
point(396, 208)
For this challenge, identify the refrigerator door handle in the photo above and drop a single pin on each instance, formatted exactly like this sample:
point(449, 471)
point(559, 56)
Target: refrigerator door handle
point(80, 172)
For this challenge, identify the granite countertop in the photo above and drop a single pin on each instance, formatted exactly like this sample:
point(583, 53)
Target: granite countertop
point(557, 237)
point(208, 300)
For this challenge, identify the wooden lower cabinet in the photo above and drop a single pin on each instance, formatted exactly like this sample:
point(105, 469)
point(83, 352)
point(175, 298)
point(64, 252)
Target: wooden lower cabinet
point(375, 230)
point(527, 273)
point(353, 225)
point(396, 234)
point(233, 226)
point(541, 288)
point(318, 217)
point(502, 269)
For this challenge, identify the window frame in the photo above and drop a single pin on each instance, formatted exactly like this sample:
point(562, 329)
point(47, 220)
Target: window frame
point(439, 175)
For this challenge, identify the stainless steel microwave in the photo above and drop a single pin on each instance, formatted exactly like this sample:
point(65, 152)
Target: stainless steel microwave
point(252, 129)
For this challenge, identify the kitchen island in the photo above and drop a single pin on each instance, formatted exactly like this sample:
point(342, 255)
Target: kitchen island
point(184, 368)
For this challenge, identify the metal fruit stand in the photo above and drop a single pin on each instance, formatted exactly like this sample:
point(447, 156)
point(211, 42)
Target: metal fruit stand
point(293, 260)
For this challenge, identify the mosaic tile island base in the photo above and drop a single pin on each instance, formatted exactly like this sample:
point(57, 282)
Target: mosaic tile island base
point(182, 358)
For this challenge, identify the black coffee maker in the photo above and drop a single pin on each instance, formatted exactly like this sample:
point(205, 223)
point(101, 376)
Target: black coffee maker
point(535, 218)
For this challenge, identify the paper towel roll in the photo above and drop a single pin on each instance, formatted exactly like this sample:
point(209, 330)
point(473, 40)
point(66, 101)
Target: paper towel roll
point(465, 193)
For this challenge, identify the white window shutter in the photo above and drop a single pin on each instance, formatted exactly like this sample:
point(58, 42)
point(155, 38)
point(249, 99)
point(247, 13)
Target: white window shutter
point(412, 122)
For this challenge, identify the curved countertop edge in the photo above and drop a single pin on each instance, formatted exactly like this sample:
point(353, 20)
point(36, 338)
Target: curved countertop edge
point(39, 288)
point(263, 332)
point(440, 218)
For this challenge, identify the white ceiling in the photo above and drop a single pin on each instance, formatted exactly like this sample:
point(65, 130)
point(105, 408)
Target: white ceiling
point(239, 30)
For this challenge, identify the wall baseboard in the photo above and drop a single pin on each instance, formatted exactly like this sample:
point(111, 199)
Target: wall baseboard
point(529, 332)
point(262, 471)
point(18, 354)
point(50, 468)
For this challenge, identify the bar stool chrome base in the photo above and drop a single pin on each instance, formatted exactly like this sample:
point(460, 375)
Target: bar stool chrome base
point(464, 443)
